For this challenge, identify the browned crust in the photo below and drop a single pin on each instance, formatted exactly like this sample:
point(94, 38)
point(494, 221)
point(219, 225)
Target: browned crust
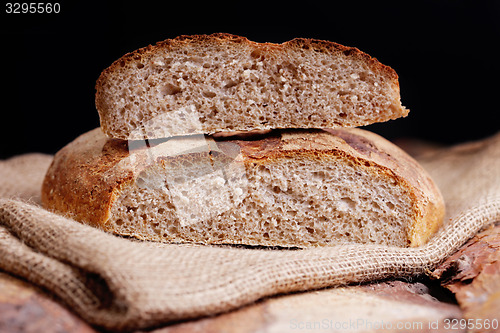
point(77, 184)
point(88, 174)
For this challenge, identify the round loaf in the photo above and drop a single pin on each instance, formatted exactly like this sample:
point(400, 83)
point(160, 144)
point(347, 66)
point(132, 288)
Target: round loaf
point(292, 188)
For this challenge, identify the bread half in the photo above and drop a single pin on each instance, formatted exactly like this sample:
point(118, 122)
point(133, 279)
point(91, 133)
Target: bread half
point(215, 83)
point(292, 188)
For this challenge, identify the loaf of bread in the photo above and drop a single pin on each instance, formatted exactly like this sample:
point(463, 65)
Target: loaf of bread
point(205, 84)
point(291, 188)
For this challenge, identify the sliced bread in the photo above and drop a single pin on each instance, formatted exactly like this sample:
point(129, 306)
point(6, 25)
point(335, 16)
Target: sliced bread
point(292, 188)
point(204, 84)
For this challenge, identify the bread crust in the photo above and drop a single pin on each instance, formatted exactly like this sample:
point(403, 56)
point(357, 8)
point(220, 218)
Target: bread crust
point(111, 115)
point(88, 174)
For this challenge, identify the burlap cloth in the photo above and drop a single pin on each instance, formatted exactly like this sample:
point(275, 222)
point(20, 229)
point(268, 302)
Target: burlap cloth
point(120, 283)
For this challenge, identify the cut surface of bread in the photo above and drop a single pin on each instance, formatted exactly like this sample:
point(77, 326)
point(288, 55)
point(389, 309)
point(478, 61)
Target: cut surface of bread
point(204, 84)
point(291, 188)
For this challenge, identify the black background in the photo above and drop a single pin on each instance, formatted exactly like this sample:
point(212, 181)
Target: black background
point(445, 52)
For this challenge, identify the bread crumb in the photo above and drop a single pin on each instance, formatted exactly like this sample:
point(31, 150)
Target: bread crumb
point(219, 181)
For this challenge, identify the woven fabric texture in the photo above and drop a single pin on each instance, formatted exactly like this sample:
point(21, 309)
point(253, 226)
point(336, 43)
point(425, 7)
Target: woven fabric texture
point(119, 283)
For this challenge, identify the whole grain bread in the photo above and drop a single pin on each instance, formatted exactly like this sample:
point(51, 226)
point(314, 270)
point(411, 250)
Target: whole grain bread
point(293, 188)
point(221, 82)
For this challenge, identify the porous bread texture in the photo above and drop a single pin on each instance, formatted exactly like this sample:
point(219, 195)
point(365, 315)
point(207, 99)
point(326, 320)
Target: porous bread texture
point(221, 82)
point(285, 203)
point(293, 188)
